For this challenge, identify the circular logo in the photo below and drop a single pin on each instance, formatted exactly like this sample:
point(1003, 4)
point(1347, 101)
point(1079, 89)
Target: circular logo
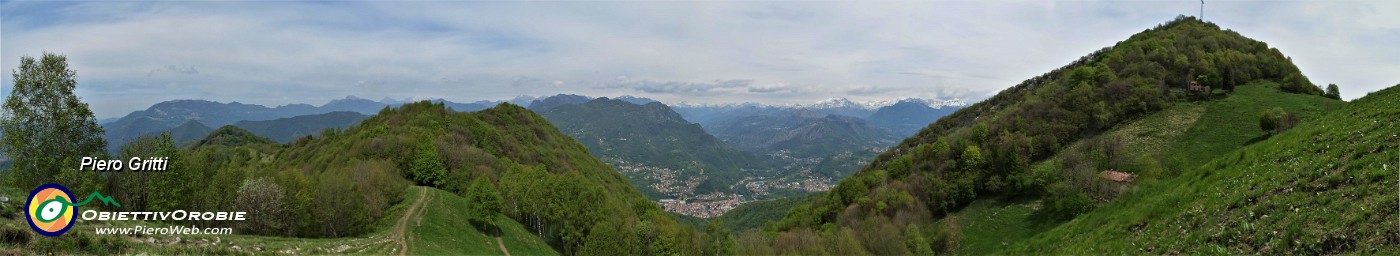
point(50, 210)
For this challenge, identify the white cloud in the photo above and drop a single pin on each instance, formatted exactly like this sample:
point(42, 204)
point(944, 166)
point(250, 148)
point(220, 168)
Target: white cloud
point(704, 52)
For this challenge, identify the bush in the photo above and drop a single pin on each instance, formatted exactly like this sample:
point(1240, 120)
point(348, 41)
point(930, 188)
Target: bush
point(14, 236)
point(79, 243)
point(1276, 120)
point(1148, 168)
point(8, 211)
point(1268, 121)
point(948, 236)
point(1063, 203)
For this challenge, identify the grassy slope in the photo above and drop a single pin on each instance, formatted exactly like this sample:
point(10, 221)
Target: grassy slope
point(1189, 134)
point(1323, 187)
point(989, 224)
point(441, 230)
point(1215, 127)
point(1233, 122)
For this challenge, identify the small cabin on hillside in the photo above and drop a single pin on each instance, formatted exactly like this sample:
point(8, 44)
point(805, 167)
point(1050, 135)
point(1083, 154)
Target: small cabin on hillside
point(1117, 176)
point(1197, 88)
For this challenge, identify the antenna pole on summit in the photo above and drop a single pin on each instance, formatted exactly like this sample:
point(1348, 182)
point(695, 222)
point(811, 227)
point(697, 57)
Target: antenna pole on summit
point(1203, 10)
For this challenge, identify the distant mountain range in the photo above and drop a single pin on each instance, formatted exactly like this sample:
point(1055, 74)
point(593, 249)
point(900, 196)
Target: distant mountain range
point(284, 130)
point(830, 145)
point(906, 117)
point(806, 133)
point(168, 115)
point(898, 116)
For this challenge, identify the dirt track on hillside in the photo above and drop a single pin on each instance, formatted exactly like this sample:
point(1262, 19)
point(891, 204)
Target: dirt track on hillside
point(398, 234)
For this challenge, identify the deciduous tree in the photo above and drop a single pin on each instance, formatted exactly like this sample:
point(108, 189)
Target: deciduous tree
point(1334, 92)
point(47, 128)
point(718, 239)
point(427, 166)
point(484, 201)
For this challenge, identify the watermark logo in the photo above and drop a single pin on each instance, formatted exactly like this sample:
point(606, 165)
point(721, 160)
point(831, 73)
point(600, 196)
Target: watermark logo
point(48, 210)
point(51, 211)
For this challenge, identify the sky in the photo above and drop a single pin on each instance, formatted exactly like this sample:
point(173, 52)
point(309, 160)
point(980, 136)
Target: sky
point(130, 55)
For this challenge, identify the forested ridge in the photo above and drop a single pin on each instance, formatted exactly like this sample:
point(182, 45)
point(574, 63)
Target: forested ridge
point(339, 183)
point(988, 148)
point(544, 179)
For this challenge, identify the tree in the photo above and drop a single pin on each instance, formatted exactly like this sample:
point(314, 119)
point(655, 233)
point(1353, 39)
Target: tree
point(262, 200)
point(914, 239)
point(1333, 92)
point(612, 237)
point(134, 188)
point(1063, 203)
point(427, 166)
point(718, 239)
point(169, 190)
point(46, 127)
point(1297, 83)
point(972, 159)
point(483, 201)
point(338, 209)
point(902, 166)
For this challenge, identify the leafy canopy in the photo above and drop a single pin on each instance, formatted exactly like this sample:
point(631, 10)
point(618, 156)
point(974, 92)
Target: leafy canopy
point(46, 127)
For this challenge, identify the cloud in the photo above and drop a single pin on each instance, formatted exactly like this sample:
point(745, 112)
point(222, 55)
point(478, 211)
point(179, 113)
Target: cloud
point(183, 70)
point(273, 53)
point(674, 87)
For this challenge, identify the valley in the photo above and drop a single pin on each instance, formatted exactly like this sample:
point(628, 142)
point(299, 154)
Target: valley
point(675, 162)
point(756, 152)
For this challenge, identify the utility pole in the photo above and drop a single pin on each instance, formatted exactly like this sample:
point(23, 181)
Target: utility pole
point(1203, 10)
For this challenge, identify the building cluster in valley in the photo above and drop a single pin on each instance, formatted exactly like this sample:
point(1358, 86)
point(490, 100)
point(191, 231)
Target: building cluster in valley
point(704, 206)
point(761, 186)
point(717, 203)
point(665, 180)
point(680, 188)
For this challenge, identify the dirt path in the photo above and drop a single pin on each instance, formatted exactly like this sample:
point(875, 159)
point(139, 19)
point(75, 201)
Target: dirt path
point(503, 246)
point(398, 233)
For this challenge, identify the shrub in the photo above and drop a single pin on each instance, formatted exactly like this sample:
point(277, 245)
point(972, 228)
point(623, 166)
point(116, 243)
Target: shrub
point(1063, 203)
point(262, 199)
point(14, 236)
point(1148, 167)
point(1276, 120)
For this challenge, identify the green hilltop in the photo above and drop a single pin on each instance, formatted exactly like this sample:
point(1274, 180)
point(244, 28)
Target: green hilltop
point(1036, 149)
point(1184, 135)
point(347, 186)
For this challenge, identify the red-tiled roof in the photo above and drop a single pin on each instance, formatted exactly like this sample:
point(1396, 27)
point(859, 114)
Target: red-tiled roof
point(1117, 176)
